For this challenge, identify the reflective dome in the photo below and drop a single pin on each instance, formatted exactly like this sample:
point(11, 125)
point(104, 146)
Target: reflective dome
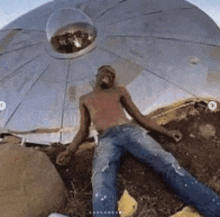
point(70, 31)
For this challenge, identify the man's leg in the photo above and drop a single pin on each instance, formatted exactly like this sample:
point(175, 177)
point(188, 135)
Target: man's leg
point(105, 166)
point(192, 192)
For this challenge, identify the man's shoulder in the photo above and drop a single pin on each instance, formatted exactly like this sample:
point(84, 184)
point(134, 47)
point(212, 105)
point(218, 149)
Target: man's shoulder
point(85, 97)
point(121, 90)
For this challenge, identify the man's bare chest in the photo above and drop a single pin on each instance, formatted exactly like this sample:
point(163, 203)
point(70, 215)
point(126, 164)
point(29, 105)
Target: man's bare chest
point(104, 101)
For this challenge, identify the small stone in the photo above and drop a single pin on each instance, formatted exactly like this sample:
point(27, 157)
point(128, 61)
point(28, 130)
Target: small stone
point(207, 131)
point(192, 135)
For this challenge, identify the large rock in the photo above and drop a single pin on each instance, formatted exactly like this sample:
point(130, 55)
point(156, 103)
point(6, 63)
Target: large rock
point(30, 186)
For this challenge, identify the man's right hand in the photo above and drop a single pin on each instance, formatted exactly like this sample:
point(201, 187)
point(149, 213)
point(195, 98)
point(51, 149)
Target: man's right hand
point(64, 158)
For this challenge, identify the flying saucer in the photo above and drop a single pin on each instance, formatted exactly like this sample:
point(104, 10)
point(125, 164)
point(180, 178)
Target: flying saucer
point(164, 51)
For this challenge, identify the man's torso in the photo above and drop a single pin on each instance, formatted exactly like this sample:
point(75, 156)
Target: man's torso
point(105, 108)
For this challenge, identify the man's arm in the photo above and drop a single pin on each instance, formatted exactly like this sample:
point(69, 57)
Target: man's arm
point(85, 121)
point(146, 122)
point(83, 132)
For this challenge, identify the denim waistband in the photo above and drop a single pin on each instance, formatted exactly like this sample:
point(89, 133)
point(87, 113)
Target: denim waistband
point(116, 129)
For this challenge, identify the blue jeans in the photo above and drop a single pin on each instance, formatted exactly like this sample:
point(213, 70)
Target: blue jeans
point(117, 140)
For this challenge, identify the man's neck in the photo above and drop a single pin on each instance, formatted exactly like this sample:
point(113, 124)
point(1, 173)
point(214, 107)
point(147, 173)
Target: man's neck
point(99, 89)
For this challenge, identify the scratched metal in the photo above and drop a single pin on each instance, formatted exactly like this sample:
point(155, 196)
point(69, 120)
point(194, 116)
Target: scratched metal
point(163, 50)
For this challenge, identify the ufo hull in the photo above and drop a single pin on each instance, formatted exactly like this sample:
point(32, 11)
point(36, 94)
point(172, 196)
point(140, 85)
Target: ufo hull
point(163, 51)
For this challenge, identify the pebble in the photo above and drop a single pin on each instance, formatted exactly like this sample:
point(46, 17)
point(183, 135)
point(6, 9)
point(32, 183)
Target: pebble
point(207, 131)
point(192, 135)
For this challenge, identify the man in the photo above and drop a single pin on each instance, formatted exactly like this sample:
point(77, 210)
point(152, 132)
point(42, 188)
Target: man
point(104, 107)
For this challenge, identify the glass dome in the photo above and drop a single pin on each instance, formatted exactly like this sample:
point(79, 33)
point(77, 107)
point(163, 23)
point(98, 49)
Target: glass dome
point(70, 31)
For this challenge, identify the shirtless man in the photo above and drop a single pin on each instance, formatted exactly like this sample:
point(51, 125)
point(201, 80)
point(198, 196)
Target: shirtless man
point(104, 107)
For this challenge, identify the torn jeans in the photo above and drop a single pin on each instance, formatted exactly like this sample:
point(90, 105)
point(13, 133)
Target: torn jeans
point(134, 139)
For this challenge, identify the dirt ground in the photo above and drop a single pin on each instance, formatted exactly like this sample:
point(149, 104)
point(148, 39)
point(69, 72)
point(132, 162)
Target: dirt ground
point(198, 152)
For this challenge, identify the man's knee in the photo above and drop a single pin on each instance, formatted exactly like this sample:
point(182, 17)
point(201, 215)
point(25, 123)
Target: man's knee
point(103, 179)
point(164, 157)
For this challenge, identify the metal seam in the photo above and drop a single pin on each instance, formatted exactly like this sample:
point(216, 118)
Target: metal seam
point(24, 97)
point(153, 73)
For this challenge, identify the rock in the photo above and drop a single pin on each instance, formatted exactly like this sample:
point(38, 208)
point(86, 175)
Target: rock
point(191, 135)
point(207, 131)
point(30, 184)
point(187, 212)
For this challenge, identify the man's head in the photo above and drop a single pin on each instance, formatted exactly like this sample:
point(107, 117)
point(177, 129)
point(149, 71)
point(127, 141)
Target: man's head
point(105, 77)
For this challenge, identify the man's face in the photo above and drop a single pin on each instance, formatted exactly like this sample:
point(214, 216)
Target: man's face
point(105, 79)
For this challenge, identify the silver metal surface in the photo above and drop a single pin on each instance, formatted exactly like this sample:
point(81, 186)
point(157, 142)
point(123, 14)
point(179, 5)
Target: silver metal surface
point(163, 51)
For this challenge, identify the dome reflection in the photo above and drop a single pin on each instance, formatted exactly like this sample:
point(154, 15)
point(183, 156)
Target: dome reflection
point(70, 31)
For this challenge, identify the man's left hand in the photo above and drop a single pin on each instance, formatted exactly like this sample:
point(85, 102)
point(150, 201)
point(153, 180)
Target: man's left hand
point(64, 158)
point(175, 134)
